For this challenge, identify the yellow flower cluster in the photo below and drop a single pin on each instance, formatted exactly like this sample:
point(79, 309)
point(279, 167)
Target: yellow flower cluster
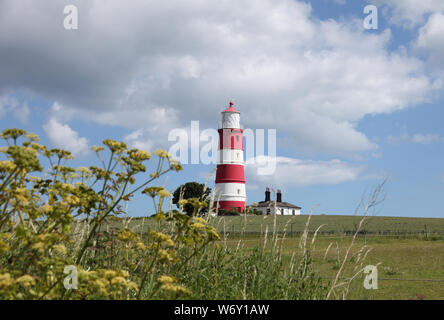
point(127, 235)
point(162, 153)
point(97, 148)
point(140, 155)
point(67, 187)
point(4, 247)
point(164, 193)
point(162, 237)
point(60, 248)
point(115, 146)
point(26, 280)
point(152, 191)
point(169, 284)
point(175, 165)
point(103, 284)
point(6, 280)
point(84, 171)
point(166, 256)
point(45, 209)
point(7, 166)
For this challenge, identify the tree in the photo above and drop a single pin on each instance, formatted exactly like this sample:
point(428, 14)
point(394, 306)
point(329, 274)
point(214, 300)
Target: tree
point(192, 190)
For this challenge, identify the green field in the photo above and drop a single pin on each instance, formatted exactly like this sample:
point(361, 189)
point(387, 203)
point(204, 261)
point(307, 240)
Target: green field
point(332, 224)
point(411, 261)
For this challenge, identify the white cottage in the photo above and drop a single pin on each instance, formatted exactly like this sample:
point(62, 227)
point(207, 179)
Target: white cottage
point(276, 207)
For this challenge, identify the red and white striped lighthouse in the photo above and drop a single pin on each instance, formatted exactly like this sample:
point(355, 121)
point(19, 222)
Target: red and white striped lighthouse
point(230, 177)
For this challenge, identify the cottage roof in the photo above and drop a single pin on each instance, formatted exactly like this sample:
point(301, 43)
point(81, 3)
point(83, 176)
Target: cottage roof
point(266, 204)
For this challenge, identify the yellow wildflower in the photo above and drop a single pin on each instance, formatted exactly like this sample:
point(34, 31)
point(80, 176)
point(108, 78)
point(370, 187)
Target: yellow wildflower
point(201, 220)
point(60, 248)
point(110, 274)
point(46, 208)
point(198, 225)
point(154, 175)
point(84, 170)
point(73, 200)
point(4, 247)
point(164, 194)
point(118, 281)
point(97, 148)
point(175, 165)
point(7, 166)
point(141, 155)
point(141, 246)
point(26, 280)
point(6, 280)
point(39, 246)
point(161, 153)
point(166, 279)
point(175, 288)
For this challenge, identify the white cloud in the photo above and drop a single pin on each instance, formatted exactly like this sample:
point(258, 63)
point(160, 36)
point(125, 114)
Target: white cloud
point(162, 64)
point(10, 104)
point(62, 136)
point(430, 40)
point(377, 155)
point(419, 138)
point(410, 13)
point(296, 172)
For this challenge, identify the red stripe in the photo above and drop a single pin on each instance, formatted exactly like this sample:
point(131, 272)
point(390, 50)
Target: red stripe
point(230, 205)
point(226, 173)
point(230, 139)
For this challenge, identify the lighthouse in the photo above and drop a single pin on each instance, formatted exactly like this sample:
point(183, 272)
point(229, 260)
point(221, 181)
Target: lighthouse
point(230, 178)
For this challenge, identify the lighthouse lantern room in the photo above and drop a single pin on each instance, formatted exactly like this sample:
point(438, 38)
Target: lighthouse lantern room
point(230, 178)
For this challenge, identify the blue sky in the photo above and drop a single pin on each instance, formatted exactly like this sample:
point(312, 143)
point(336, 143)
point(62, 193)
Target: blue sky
point(350, 106)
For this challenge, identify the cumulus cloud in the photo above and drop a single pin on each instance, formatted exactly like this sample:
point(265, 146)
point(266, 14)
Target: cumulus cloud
point(419, 138)
point(430, 40)
point(10, 104)
point(62, 136)
point(160, 65)
point(410, 13)
point(295, 172)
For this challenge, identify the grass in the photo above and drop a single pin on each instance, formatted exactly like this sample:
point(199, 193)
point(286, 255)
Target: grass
point(333, 224)
point(409, 255)
point(399, 258)
point(403, 248)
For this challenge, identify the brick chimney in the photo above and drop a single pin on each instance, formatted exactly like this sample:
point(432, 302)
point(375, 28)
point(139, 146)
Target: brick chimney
point(267, 194)
point(279, 196)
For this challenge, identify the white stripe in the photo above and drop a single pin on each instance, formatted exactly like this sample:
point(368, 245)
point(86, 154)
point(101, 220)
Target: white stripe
point(230, 192)
point(230, 156)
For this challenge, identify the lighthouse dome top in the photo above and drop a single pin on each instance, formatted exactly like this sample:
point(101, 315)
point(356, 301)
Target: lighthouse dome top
point(230, 118)
point(230, 108)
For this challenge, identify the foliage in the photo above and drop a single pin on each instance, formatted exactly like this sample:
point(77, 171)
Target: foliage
point(38, 209)
point(192, 190)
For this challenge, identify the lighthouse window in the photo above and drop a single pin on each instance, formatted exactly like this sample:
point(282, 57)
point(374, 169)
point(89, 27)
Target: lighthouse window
point(238, 191)
point(237, 138)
